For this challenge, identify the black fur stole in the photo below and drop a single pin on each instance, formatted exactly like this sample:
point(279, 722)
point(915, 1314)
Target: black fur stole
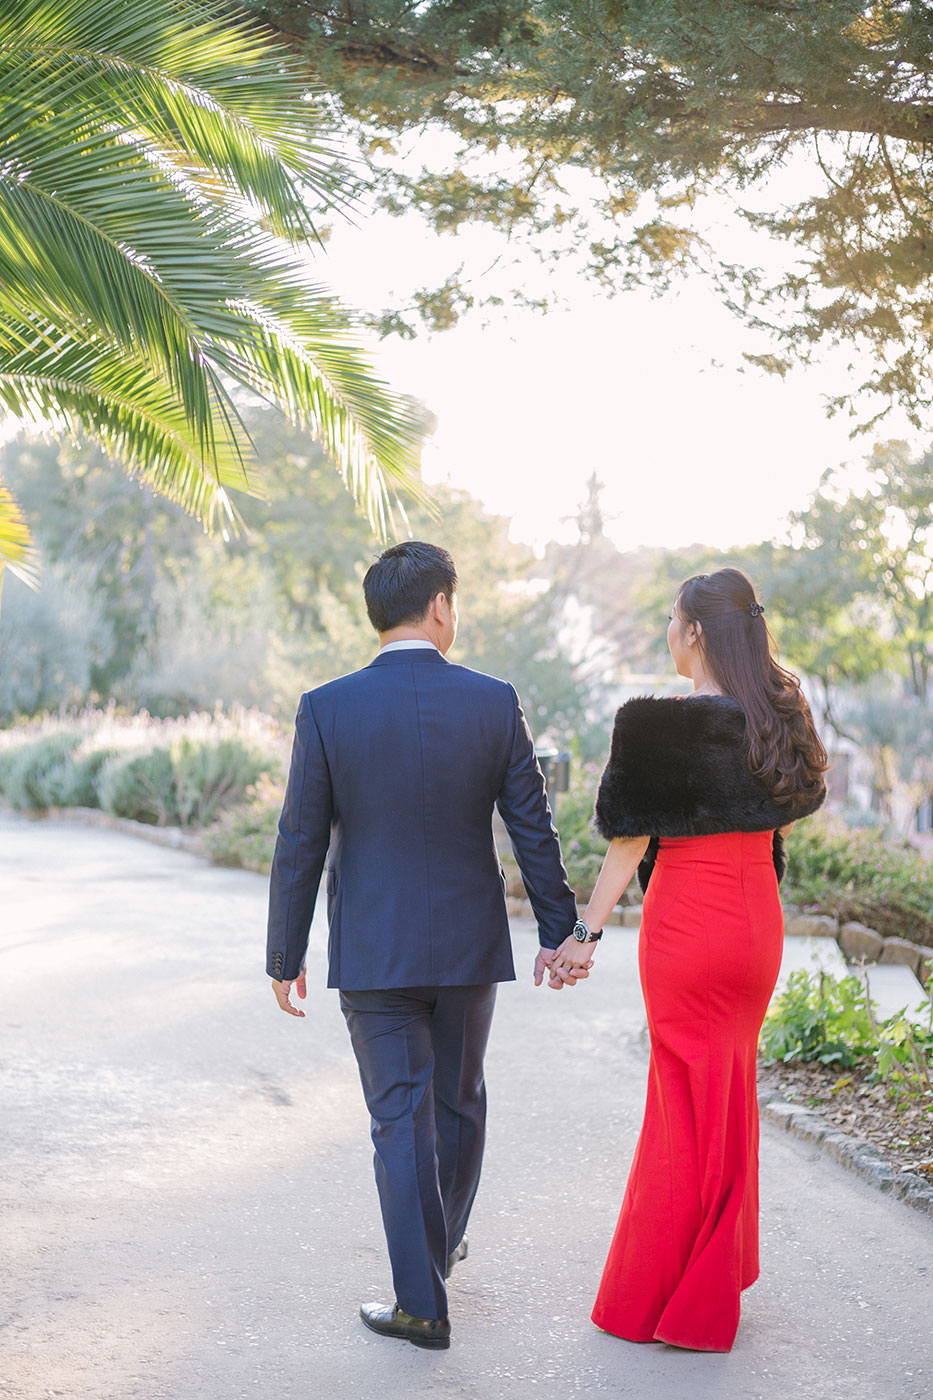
point(677, 767)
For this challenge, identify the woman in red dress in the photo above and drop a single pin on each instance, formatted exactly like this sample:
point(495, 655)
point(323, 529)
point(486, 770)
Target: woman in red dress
point(696, 795)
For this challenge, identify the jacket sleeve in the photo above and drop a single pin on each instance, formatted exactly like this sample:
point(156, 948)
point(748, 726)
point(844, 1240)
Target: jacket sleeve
point(523, 806)
point(300, 849)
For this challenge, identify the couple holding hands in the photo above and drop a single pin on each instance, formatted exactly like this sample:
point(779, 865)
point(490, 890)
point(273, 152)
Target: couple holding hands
point(395, 773)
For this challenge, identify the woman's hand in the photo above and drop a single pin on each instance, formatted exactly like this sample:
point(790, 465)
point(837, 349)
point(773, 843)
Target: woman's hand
point(572, 961)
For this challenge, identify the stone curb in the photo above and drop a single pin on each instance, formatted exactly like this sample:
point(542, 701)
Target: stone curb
point(172, 837)
point(854, 1153)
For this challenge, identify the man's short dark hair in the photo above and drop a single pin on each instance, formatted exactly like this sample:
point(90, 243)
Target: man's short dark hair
point(404, 581)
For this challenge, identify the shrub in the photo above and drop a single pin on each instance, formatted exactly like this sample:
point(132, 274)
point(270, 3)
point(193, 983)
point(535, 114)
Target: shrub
point(860, 874)
point(582, 847)
point(75, 783)
point(157, 771)
point(211, 775)
point(818, 1017)
point(8, 757)
point(831, 1021)
point(141, 787)
point(29, 772)
point(245, 837)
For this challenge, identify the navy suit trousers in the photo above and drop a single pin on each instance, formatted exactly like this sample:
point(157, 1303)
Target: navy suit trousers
point(420, 1053)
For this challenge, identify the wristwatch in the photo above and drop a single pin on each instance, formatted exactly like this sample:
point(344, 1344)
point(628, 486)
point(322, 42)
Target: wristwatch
point(585, 935)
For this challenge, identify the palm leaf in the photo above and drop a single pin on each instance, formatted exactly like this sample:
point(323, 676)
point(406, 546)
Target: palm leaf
point(97, 389)
point(197, 78)
point(155, 171)
point(16, 549)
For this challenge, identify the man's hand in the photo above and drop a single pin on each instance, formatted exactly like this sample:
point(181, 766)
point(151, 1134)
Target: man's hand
point(569, 962)
point(543, 962)
point(561, 974)
point(282, 989)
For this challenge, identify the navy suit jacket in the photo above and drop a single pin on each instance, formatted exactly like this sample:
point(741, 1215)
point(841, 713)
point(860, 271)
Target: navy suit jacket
point(395, 772)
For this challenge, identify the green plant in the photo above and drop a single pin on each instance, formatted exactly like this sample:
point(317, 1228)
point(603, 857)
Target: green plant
point(818, 1017)
point(8, 757)
point(75, 783)
point(860, 874)
point(159, 169)
point(211, 775)
point(245, 836)
point(582, 847)
point(141, 787)
point(833, 1021)
point(29, 772)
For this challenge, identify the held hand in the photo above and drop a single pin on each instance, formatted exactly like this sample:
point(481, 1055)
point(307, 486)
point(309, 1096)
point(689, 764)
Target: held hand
point(282, 989)
point(571, 962)
point(543, 962)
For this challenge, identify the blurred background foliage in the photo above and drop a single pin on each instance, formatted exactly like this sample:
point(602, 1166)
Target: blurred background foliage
point(145, 618)
point(140, 606)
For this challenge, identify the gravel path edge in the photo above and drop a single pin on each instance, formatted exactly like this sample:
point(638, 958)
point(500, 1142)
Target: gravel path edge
point(852, 1152)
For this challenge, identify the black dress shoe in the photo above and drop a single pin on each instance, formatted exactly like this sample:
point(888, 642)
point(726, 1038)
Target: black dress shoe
point(456, 1255)
point(431, 1332)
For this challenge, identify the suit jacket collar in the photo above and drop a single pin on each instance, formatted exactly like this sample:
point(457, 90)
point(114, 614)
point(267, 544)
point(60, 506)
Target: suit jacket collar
point(415, 656)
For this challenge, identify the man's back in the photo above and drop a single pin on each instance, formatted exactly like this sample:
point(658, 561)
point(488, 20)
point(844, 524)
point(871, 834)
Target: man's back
point(416, 753)
point(395, 773)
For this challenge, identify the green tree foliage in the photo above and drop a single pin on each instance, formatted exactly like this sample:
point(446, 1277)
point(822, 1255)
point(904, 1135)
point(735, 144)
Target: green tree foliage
point(158, 170)
point(181, 620)
point(510, 623)
point(663, 103)
point(849, 593)
point(867, 874)
point(53, 642)
point(878, 543)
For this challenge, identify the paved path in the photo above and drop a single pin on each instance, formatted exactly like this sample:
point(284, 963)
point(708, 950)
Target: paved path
point(188, 1209)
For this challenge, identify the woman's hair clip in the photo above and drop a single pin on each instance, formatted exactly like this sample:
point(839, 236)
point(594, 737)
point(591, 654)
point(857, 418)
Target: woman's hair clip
point(756, 609)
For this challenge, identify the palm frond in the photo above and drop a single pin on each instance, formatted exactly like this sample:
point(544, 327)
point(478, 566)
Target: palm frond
point(199, 77)
point(16, 549)
point(155, 169)
point(97, 389)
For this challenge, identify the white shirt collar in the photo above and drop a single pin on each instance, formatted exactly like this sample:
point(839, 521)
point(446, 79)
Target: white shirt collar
point(408, 646)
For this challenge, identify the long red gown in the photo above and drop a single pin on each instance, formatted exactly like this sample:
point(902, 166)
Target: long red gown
point(686, 1243)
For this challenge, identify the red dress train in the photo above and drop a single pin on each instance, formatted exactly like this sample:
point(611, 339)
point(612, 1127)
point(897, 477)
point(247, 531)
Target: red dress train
point(686, 1243)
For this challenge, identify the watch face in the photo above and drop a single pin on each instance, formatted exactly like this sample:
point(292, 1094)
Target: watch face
point(580, 931)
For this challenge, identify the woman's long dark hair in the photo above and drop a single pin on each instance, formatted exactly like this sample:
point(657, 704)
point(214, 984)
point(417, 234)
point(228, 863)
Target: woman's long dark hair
point(784, 749)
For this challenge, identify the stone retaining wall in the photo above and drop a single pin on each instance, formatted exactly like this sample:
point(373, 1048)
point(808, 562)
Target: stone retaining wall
point(859, 943)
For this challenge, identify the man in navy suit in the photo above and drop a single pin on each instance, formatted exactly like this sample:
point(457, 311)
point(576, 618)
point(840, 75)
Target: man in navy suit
point(395, 773)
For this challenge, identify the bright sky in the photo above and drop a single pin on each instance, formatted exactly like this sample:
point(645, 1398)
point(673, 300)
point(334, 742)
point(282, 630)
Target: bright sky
point(650, 394)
